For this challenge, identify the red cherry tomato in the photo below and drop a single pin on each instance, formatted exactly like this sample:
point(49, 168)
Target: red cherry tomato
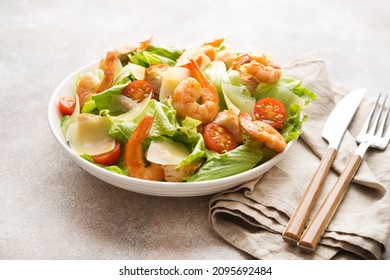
point(110, 157)
point(218, 138)
point(67, 105)
point(271, 111)
point(138, 90)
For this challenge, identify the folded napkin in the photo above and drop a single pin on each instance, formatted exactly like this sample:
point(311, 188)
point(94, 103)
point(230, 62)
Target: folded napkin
point(253, 216)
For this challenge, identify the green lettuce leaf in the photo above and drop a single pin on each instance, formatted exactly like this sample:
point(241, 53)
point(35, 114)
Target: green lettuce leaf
point(116, 169)
point(287, 90)
point(241, 159)
point(198, 151)
point(124, 76)
point(119, 168)
point(166, 51)
point(188, 134)
point(235, 80)
point(155, 55)
point(110, 100)
point(216, 73)
point(165, 122)
point(294, 97)
point(90, 107)
point(291, 128)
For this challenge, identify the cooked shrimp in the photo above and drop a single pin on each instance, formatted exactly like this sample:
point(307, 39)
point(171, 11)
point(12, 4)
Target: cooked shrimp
point(143, 45)
point(214, 43)
point(134, 157)
point(209, 51)
point(263, 132)
point(109, 71)
point(226, 56)
point(202, 54)
point(86, 87)
point(196, 97)
point(209, 47)
point(260, 67)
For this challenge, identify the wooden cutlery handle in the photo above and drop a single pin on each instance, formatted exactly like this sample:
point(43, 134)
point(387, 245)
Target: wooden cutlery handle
point(298, 220)
point(320, 221)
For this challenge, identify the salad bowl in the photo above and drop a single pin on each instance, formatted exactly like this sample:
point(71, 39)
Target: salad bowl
point(170, 189)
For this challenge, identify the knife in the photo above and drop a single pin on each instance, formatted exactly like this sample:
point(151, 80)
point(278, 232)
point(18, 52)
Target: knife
point(333, 131)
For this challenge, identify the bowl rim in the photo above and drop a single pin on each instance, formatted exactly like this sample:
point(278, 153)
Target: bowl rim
point(150, 187)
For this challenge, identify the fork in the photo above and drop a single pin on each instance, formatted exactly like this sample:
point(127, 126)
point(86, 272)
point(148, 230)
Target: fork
point(375, 133)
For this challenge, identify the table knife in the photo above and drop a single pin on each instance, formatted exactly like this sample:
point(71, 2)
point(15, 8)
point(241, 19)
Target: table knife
point(333, 131)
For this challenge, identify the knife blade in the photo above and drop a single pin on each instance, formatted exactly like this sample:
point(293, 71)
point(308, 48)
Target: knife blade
point(333, 131)
point(341, 116)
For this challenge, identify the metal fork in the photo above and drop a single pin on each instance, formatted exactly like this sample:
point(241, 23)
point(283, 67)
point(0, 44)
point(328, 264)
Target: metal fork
point(375, 133)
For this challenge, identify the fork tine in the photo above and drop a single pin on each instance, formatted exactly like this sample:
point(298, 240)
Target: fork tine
point(375, 130)
point(374, 126)
point(386, 137)
point(384, 121)
point(367, 124)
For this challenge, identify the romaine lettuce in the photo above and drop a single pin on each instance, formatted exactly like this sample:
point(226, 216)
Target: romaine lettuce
point(291, 128)
point(241, 159)
point(165, 122)
point(287, 90)
point(106, 100)
point(155, 55)
point(216, 73)
point(166, 51)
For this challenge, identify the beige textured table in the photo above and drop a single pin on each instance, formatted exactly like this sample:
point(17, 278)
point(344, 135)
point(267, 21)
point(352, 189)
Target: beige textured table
point(52, 209)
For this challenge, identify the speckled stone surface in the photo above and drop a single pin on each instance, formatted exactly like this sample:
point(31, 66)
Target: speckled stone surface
point(52, 209)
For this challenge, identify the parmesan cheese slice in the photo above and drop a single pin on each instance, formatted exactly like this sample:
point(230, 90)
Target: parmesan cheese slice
point(196, 53)
point(167, 153)
point(134, 108)
point(138, 71)
point(89, 135)
point(171, 78)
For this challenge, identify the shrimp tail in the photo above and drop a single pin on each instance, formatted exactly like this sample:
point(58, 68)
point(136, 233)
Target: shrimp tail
point(109, 71)
point(214, 43)
point(143, 45)
point(142, 130)
point(197, 73)
point(134, 157)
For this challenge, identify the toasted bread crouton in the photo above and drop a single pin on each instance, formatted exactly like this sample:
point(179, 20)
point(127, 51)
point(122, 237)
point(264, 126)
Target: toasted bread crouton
point(154, 75)
point(249, 82)
point(173, 174)
point(230, 120)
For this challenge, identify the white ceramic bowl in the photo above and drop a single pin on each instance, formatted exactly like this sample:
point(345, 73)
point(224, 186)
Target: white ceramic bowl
point(173, 189)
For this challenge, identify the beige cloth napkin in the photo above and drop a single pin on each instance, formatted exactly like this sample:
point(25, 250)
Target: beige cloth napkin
point(253, 216)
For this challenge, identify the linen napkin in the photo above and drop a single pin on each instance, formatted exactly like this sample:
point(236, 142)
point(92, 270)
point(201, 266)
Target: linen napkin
point(253, 216)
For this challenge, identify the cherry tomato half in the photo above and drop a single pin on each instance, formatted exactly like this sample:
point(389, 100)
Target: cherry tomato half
point(271, 111)
point(138, 90)
point(110, 157)
point(67, 105)
point(218, 138)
